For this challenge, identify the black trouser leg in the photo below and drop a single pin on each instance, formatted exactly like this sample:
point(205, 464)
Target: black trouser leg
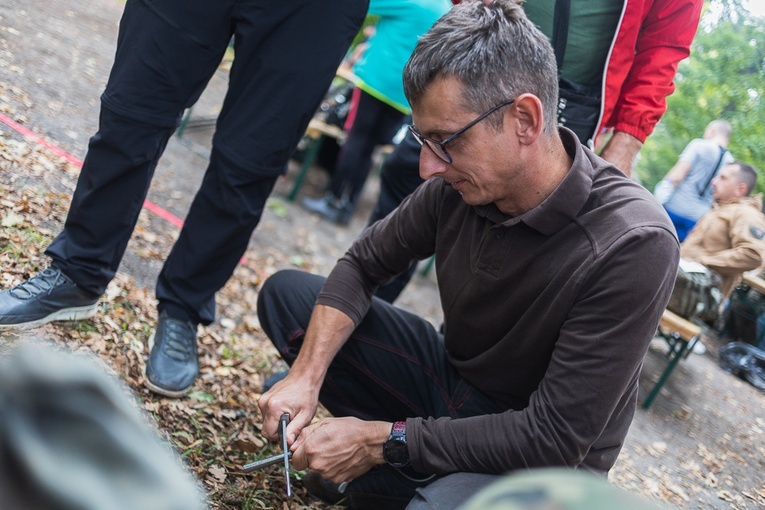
point(144, 97)
point(399, 177)
point(286, 56)
point(279, 76)
point(105, 206)
point(376, 123)
point(393, 366)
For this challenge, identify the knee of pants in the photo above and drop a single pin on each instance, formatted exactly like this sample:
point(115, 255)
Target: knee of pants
point(285, 303)
point(450, 491)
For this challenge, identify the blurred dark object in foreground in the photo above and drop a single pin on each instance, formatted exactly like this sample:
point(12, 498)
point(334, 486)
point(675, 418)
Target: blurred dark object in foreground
point(70, 438)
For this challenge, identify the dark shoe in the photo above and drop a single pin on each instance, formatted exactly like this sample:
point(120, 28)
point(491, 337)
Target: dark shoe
point(381, 488)
point(330, 208)
point(46, 297)
point(325, 490)
point(173, 365)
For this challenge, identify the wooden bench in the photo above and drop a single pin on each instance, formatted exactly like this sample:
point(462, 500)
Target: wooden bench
point(754, 282)
point(681, 335)
point(317, 131)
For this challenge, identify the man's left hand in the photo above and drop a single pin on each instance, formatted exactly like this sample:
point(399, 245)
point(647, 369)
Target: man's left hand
point(340, 449)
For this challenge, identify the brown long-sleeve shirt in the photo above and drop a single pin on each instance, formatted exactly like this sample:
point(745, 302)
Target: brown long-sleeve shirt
point(729, 240)
point(549, 313)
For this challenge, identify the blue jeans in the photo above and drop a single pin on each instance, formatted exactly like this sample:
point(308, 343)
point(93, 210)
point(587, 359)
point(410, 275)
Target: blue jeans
point(682, 224)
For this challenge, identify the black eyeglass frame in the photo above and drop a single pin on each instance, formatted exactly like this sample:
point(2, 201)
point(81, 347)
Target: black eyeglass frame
point(438, 147)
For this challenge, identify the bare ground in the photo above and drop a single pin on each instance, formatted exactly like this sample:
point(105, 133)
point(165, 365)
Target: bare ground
point(701, 445)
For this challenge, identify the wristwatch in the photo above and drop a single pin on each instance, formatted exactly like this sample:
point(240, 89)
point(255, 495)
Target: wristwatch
point(395, 449)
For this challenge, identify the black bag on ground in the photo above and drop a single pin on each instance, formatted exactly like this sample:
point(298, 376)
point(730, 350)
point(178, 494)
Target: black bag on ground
point(746, 361)
point(745, 308)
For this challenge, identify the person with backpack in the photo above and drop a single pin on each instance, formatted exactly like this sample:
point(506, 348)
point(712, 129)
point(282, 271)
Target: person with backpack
point(686, 191)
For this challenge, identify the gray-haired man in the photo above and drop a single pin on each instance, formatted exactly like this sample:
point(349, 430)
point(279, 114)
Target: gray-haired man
point(553, 268)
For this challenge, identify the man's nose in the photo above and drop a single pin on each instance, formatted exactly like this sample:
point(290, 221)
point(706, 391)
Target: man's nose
point(430, 164)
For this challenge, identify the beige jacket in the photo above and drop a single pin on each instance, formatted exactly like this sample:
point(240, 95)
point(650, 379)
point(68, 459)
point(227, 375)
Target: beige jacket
point(729, 239)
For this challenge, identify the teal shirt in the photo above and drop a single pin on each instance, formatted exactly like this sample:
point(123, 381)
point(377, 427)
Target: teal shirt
point(401, 23)
point(592, 25)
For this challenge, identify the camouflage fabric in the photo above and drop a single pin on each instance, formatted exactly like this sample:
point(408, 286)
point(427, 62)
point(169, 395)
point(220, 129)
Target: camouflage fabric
point(696, 294)
point(556, 489)
point(70, 438)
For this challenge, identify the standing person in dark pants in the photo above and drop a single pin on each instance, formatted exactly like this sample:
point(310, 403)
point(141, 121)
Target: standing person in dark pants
point(378, 104)
point(628, 49)
point(286, 54)
point(372, 122)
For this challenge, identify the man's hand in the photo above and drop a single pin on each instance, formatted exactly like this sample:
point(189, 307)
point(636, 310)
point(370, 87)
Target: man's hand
point(298, 393)
point(341, 449)
point(622, 150)
point(291, 396)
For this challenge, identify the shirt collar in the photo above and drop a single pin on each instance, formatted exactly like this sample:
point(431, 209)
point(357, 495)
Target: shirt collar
point(562, 206)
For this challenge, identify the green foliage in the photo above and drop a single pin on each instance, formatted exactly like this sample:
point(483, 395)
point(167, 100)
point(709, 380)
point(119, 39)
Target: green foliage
point(724, 78)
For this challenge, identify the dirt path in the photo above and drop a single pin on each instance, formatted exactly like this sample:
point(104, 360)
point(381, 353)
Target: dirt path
point(701, 445)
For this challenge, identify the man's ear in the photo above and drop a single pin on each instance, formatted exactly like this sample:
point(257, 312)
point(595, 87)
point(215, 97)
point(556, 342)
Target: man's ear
point(529, 117)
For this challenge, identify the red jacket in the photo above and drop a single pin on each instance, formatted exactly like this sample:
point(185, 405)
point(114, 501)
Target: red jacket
point(653, 36)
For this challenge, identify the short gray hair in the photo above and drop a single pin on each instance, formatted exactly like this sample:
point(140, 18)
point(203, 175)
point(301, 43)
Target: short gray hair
point(495, 52)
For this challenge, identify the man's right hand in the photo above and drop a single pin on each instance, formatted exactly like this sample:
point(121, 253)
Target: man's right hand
point(293, 397)
point(298, 393)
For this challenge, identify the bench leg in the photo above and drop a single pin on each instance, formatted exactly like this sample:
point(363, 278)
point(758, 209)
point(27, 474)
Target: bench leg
point(184, 122)
point(675, 357)
point(308, 159)
point(428, 266)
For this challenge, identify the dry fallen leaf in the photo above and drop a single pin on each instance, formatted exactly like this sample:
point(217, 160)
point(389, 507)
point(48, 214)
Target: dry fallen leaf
point(218, 473)
point(12, 220)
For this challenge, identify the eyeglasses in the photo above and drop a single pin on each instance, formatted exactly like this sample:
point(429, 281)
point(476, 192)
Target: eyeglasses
point(439, 147)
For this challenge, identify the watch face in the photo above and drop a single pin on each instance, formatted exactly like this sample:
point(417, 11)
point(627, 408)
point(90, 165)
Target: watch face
point(396, 453)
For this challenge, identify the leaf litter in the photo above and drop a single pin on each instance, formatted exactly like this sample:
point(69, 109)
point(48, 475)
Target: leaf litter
point(216, 429)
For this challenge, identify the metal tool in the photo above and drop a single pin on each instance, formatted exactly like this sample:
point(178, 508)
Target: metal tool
point(283, 421)
point(285, 456)
point(264, 463)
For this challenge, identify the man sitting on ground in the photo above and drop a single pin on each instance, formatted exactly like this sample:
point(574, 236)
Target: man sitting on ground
point(553, 268)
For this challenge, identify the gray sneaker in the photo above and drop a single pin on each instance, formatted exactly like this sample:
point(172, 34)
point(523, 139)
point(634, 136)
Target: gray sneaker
point(46, 297)
point(173, 365)
point(330, 208)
